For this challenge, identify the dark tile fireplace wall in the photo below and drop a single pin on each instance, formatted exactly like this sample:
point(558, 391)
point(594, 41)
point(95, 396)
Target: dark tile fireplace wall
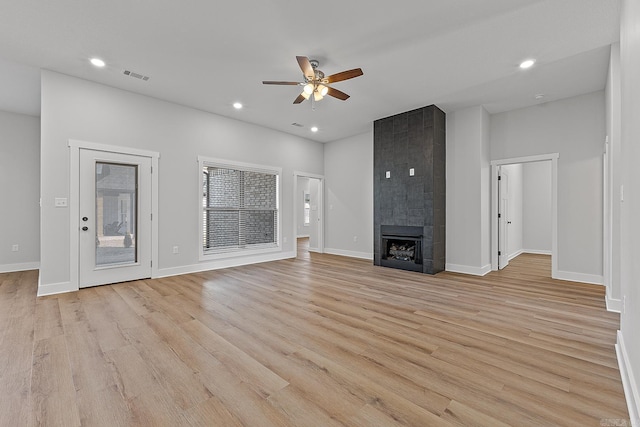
point(412, 140)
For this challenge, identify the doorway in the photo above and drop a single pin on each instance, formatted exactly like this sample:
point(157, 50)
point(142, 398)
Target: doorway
point(111, 214)
point(309, 213)
point(504, 243)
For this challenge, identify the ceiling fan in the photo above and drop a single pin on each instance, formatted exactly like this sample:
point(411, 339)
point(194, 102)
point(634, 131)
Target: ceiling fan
point(315, 84)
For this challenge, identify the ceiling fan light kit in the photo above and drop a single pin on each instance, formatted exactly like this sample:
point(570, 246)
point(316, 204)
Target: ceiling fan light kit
point(315, 83)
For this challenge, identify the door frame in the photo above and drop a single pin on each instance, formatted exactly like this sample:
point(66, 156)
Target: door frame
point(74, 201)
point(505, 221)
point(296, 175)
point(553, 157)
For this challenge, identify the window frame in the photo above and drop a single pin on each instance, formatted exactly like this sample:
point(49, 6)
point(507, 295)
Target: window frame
point(221, 253)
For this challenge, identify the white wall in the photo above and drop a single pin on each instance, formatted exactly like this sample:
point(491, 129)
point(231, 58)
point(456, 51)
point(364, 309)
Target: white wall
point(536, 207)
point(19, 191)
point(629, 339)
point(515, 206)
point(468, 189)
point(348, 171)
point(77, 109)
point(574, 128)
point(485, 189)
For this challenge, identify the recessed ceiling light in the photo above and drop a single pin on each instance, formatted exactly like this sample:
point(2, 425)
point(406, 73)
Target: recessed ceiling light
point(314, 129)
point(98, 62)
point(527, 64)
point(237, 105)
point(539, 96)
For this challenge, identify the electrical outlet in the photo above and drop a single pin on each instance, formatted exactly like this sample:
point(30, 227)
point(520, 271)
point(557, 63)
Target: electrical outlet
point(355, 238)
point(15, 248)
point(176, 250)
point(284, 239)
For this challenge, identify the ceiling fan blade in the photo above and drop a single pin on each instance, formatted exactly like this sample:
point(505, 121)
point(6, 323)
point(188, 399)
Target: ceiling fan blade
point(271, 82)
point(306, 67)
point(299, 99)
point(337, 93)
point(345, 75)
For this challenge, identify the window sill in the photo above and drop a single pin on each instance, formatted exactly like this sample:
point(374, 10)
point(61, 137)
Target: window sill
point(238, 253)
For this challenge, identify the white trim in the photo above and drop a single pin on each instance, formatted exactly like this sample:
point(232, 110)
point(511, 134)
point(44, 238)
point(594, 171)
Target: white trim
point(296, 175)
point(78, 144)
point(74, 205)
point(607, 226)
point(613, 305)
point(631, 392)
point(593, 279)
point(515, 254)
point(207, 256)
point(527, 159)
point(350, 254)
point(495, 164)
point(467, 269)
point(216, 162)
point(224, 263)
point(537, 251)
point(21, 266)
point(56, 288)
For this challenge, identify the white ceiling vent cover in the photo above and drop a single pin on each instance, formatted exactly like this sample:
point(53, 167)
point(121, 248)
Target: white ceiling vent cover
point(135, 75)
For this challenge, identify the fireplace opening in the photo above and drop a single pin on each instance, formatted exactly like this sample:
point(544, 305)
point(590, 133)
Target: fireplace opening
point(401, 251)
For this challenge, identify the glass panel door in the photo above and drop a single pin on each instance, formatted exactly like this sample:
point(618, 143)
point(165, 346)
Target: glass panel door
point(114, 217)
point(116, 213)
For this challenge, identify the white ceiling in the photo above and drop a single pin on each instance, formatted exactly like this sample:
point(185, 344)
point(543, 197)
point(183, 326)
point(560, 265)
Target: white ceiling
point(207, 55)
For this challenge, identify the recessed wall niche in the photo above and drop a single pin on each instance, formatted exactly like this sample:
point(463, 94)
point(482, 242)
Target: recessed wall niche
point(409, 190)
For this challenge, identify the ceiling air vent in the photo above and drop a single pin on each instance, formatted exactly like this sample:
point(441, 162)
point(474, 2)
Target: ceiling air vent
point(298, 125)
point(136, 75)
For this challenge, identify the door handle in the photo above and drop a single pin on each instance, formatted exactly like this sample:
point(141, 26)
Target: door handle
point(508, 222)
point(85, 228)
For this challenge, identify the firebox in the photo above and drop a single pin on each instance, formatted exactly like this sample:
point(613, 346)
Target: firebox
point(401, 247)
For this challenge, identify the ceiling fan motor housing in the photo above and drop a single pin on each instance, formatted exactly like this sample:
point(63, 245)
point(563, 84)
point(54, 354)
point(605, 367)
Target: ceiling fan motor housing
point(315, 83)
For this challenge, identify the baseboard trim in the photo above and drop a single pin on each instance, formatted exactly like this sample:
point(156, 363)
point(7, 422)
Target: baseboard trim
point(467, 269)
point(536, 252)
point(515, 254)
point(614, 305)
point(22, 266)
point(55, 288)
point(593, 279)
point(350, 254)
point(223, 263)
point(628, 381)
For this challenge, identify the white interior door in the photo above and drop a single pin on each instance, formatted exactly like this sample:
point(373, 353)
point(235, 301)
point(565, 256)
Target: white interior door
point(115, 217)
point(314, 214)
point(503, 222)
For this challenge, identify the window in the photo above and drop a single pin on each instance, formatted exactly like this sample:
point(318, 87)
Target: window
point(240, 206)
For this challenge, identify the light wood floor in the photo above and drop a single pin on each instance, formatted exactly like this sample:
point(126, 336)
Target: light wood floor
point(316, 341)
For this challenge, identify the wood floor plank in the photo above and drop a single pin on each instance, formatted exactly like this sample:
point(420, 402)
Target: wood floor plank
point(53, 395)
point(316, 340)
point(48, 320)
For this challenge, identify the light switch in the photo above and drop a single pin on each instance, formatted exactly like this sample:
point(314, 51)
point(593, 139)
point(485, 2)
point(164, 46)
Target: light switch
point(388, 174)
point(412, 172)
point(61, 202)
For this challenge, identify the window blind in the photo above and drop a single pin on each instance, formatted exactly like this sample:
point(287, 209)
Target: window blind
point(240, 209)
